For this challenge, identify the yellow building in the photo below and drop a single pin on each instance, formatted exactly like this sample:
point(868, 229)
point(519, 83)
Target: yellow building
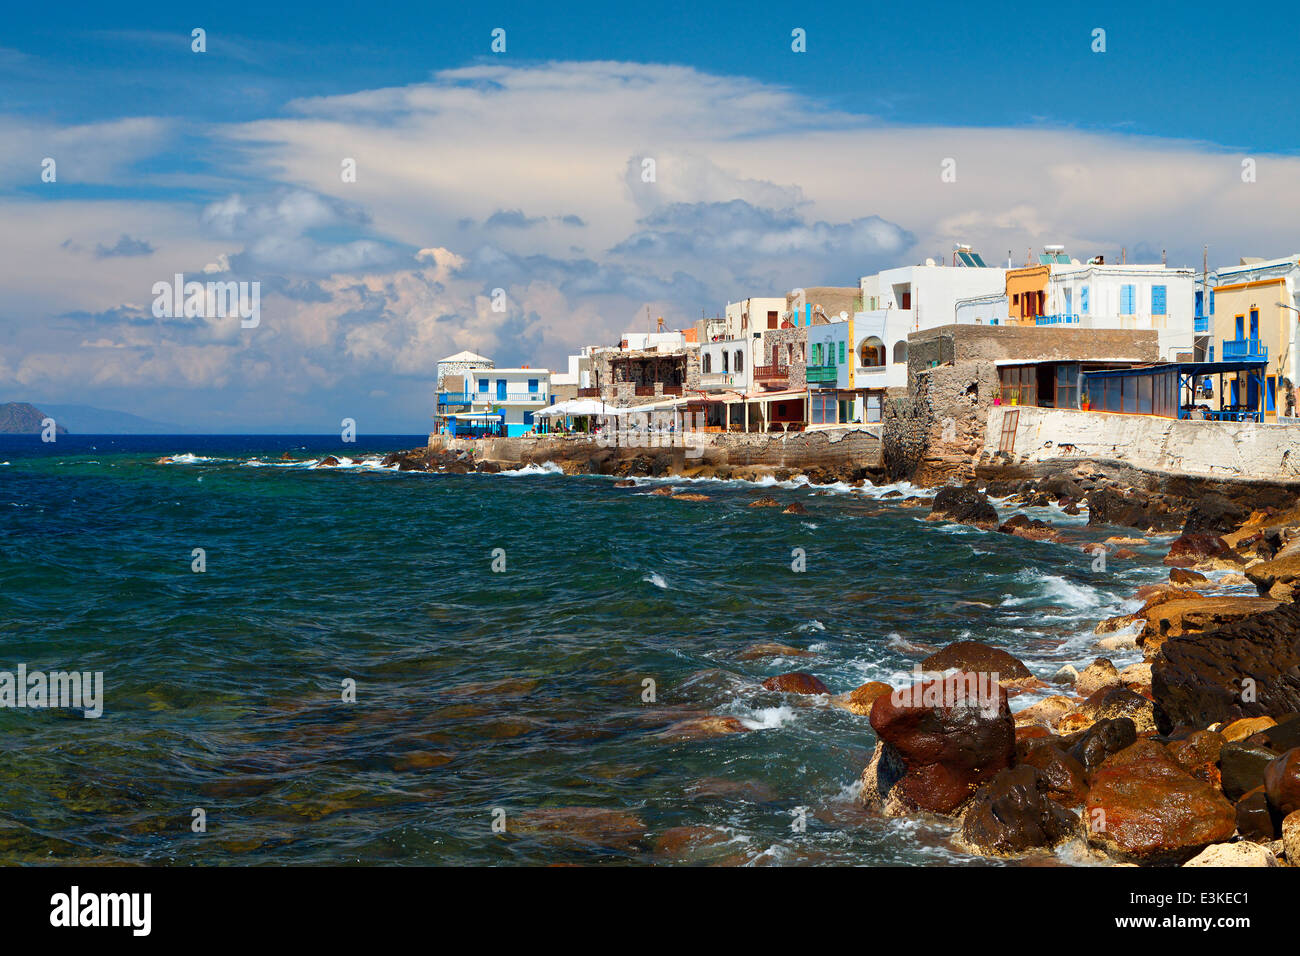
point(1255, 316)
point(1027, 293)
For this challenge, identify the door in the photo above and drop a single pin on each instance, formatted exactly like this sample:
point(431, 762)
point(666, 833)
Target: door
point(501, 390)
point(1270, 395)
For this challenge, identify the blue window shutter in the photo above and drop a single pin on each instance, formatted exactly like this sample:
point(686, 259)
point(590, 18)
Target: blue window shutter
point(1157, 300)
point(1083, 299)
point(841, 353)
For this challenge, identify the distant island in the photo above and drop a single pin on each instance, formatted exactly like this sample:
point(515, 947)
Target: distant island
point(20, 418)
point(23, 418)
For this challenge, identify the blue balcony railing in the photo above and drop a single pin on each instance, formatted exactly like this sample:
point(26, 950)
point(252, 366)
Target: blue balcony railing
point(1235, 350)
point(1202, 324)
point(1060, 319)
point(455, 398)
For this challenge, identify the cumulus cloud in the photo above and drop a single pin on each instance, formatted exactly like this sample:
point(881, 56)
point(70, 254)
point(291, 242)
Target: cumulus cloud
point(689, 189)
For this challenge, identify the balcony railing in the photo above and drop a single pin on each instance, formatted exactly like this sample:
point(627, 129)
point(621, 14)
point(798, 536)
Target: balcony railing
point(1244, 349)
point(455, 398)
point(645, 391)
point(589, 393)
point(823, 374)
point(672, 390)
point(771, 372)
point(1202, 324)
point(1060, 319)
point(509, 398)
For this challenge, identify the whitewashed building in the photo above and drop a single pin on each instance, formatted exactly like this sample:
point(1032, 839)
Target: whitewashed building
point(1126, 296)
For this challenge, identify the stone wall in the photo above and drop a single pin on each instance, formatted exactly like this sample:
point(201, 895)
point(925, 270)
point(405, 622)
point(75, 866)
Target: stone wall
point(1229, 451)
point(851, 448)
point(784, 339)
point(938, 432)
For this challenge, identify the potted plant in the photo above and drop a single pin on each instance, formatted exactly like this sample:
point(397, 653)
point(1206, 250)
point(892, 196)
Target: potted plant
point(1085, 404)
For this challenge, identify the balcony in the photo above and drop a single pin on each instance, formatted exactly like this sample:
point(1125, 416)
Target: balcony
point(589, 393)
point(1060, 319)
point(455, 398)
point(823, 374)
point(1237, 350)
point(645, 391)
point(771, 374)
point(509, 398)
point(1202, 325)
point(675, 390)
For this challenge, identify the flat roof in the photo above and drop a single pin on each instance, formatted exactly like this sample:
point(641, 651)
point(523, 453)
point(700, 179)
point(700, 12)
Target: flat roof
point(1185, 368)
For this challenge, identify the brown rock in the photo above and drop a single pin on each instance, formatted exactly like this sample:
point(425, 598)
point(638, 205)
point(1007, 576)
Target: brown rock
point(1199, 549)
point(1255, 818)
point(1067, 781)
point(860, 699)
point(1098, 675)
point(1291, 838)
point(795, 683)
point(1111, 703)
point(1186, 576)
point(1014, 812)
point(1143, 807)
point(977, 658)
point(1242, 728)
point(700, 728)
point(795, 509)
point(1282, 782)
point(1179, 618)
point(947, 736)
point(765, 502)
point(1278, 579)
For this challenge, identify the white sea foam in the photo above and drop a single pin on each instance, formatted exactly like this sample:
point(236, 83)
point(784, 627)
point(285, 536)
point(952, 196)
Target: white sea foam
point(766, 718)
point(657, 580)
point(545, 468)
point(1054, 589)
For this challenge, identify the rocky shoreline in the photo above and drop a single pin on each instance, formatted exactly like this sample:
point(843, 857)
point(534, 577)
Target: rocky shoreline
point(1188, 757)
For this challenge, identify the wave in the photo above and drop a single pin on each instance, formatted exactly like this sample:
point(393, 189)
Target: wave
point(656, 580)
point(545, 468)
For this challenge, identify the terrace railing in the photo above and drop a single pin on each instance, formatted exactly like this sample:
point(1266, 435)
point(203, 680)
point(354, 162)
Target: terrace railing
point(1236, 350)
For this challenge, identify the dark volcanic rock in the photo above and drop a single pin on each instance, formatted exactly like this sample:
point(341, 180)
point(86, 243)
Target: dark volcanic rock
point(1196, 548)
point(1255, 819)
point(796, 683)
point(1136, 509)
point(948, 740)
point(974, 657)
point(964, 506)
point(1067, 781)
point(1014, 812)
point(1198, 753)
point(1215, 514)
point(1242, 768)
point(1198, 679)
point(1282, 782)
point(1101, 740)
point(1143, 807)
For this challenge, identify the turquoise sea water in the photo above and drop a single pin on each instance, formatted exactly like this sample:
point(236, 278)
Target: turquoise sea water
point(482, 695)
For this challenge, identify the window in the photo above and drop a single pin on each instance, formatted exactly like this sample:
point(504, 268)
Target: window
point(823, 409)
point(772, 320)
point(1083, 299)
point(726, 362)
point(1127, 298)
point(740, 361)
point(873, 407)
point(1068, 301)
point(1241, 327)
point(1157, 300)
point(1067, 386)
point(900, 353)
point(1019, 385)
point(706, 364)
point(841, 353)
point(482, 385)
point(532, 386)
point(871, 353)
point(1254, 324)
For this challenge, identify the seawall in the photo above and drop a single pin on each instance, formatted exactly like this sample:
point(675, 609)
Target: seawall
point(853, 448)
point(1218, 451)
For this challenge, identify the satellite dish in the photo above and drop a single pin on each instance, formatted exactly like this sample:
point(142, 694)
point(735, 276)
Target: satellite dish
point(929, 262)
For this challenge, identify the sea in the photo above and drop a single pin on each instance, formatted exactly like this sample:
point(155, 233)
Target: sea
point(338, 665)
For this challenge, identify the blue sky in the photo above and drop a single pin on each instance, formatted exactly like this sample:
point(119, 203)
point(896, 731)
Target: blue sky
point(519, 171)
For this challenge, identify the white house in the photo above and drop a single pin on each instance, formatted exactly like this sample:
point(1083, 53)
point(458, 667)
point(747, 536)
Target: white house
point(505, 399)
point(926, 296)
point(727, 364)
point(1128, 297)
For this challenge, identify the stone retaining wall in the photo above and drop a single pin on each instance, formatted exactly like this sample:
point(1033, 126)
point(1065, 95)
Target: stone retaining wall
point(1228, 451)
